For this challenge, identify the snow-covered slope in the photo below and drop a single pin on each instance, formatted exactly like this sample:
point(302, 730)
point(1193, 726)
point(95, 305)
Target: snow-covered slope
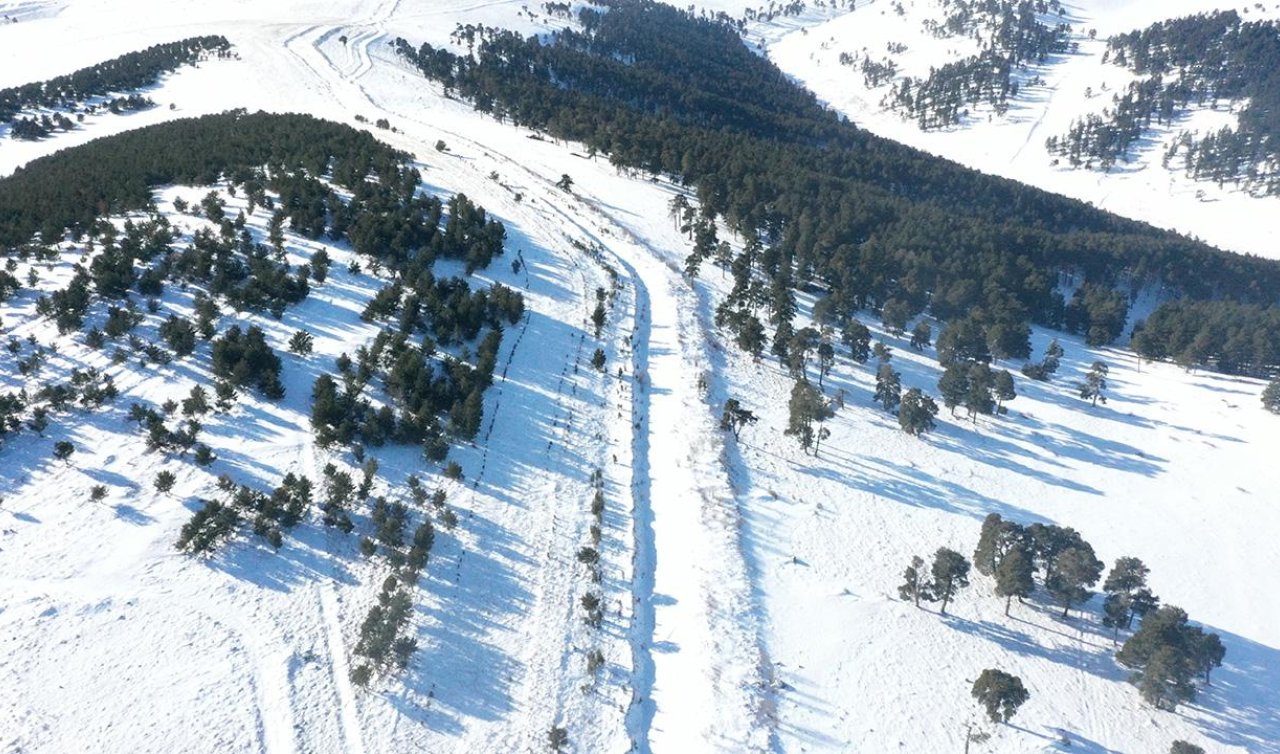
point(748, 589)
point(809, 46)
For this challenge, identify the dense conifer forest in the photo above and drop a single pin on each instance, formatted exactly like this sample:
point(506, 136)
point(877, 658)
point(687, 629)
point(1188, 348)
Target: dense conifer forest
point(126, 73)
point(821, 203)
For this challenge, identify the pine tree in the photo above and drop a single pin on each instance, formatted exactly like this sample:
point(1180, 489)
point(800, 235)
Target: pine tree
point(1075, 570)
point(1127, 593)
point(62, 450)
point(950, 574)
point(857, 337)
point(1015, 577)
point(915, 586)
point(921, 336)
point(1182, 747)
point(734, 417)
point(978, 398)
point(1000, 693)
point(1271, 397)
point(165, 481)
point(953, 385)
point(888, 388)
point(1094, 387)
point(916, 413)
point(1004, 389)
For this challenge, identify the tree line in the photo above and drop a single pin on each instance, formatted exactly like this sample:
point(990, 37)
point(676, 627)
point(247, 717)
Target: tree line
point(126, 73)
point(817, 202)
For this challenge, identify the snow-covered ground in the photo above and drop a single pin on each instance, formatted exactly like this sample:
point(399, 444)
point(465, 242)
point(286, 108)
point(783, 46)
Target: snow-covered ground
point(808, 47)
point(749, 589)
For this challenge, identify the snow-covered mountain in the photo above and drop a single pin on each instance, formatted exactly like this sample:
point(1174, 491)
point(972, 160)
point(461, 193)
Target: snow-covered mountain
point(747, 590)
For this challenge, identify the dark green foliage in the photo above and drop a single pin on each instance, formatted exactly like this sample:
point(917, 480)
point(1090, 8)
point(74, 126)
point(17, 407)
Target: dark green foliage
point(557, 738)
point(1094, 387)
point(915, 585)
point(1233, 337)
point(979, 395)
point(663, 91)
point(380, 640)
point(207, 527)
point(301, 342)
point(597, 360)
point(888, 388)
point(1015, 576)
point(950, 574)
point(1271, 397)
point(1000, 693)
point(1127, 594)
point(805, 408)
point(916, 413)
point(165, 481)
point(1003, 389)
point(921, 336)
point(1166, 654)
point(1182, 747)
point(133, 70)
point(62, 450)
point(857, 337)
point(243, 358)
point(179, 334)
point(734, 417)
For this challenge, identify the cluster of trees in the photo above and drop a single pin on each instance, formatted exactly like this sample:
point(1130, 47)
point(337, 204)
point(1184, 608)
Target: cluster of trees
point(131, 71)
point(1012, 36)
point(817, 201)
point(1234, 338)
point(271, 514)
point(243, 358)
point(1165, 652)
point(1193, 59)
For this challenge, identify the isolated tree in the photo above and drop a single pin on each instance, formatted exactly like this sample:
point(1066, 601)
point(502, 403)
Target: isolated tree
point(62, 450)
point(950, 574)
point(921, 336)
point(1182, 747)
point(165, 481)
point(1000, 693)
point(1075, 570)
point(1271, 397)
point(915, 414)
point(734, 417)
point(953, 385)
point(857, 338)
point(888, 388)
point(565, 183)
point(1003, 389)
point(1015, 577)
point(301, 343)
point(1094, 387)
point(883, 353)
point(915, 586)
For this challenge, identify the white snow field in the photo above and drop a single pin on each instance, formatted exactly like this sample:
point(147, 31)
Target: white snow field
point(808, 46)
point(749, 589)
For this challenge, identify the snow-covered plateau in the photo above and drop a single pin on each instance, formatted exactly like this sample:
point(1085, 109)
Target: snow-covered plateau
point(748, 589)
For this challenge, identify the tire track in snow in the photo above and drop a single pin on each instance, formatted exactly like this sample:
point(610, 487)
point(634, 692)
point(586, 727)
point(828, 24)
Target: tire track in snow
point(348, 714)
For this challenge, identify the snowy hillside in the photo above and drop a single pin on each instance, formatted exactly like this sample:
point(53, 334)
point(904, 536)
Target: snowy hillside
point(1068, 86)
point(746, 591)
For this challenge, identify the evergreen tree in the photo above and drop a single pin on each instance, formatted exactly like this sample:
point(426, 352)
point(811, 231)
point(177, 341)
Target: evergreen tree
point(1003, 389)
point(888, 388)
point(1271, 397)
point(915, 586)
point(953, 386)
point(1075, 570)
point(1166, 654)
point(921, 336)
point(1015, 577)
point(165, 481)
point(735, 417)
point(1094, 387)
point(950, 574)
point(916, 413)
point(857, 337)
point(62, 450)
point(1000, 693)
point(978, 397)
point(1127, 594)
point(1182, 747)
point(806, 407)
